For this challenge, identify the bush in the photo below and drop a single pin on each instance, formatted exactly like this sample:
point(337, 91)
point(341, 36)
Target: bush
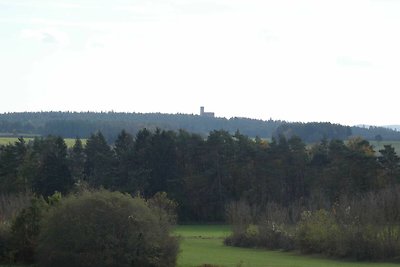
point(268, 230)
point(275, 236)
point(10, 206)
point(164, 209)
point(25, 230)
point(104, 229)
point(321, 232)
point(317, 232)
point(361, 227)
point(240, 215)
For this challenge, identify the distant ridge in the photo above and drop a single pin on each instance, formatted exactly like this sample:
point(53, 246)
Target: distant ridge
point(82, 124)
point(393, 127)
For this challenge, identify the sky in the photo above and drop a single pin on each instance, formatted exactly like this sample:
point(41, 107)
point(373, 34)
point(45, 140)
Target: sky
point(293, 60)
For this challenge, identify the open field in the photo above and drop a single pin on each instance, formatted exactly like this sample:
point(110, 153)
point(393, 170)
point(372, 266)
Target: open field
point(203, 244)
point(9, 140)
point(203, 231)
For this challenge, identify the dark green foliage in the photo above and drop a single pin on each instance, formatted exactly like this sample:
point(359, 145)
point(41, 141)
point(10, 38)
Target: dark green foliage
point(126, 174)
point(12, 157)
point(390, 163)
point(25, 230)
point(99, 164)
point(77, 159)
point(105, 229)
point(202, 175)
point(21, 233)
point(52, 173)
point(40, 166)
point(5, 243)
point(161, 159)
point(338, 169)
point(10, 207)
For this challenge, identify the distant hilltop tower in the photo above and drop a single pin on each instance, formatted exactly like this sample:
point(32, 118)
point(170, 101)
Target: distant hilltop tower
point(206, 114)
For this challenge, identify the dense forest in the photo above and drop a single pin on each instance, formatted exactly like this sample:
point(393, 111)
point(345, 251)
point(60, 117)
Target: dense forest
point(82, 124)
point(201, 175)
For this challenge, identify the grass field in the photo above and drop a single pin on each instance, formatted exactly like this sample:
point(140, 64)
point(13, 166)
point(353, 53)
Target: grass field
point(10, 140)
point(204, 245)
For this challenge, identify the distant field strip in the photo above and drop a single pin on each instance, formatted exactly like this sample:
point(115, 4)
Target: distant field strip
point(10, 140)
point(203, 244)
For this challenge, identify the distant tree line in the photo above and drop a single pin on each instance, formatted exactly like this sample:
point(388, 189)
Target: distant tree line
point(82, 124)
point(375, 133)
point(313, 132)
point(201, 174)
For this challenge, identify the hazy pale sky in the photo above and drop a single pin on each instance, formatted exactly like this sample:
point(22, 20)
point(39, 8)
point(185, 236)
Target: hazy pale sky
point(295, 60)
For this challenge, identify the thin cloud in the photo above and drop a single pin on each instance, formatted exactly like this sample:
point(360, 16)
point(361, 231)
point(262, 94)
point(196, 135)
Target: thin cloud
point(49, 36)
point(68, 5)
point(44, 4)
point(352, 62)
point(55, 23)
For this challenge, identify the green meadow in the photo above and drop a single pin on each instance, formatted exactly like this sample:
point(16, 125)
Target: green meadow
point(203, 244)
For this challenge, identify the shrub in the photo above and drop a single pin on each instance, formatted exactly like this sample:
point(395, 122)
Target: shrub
point(317, 232)
point(240, 214)
point(321, 232)
point(362, 227)
point(25, 230)
point(164, 208)
point(104, 229)
point(10, 206)
point(275, 236)
point(267, 231)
